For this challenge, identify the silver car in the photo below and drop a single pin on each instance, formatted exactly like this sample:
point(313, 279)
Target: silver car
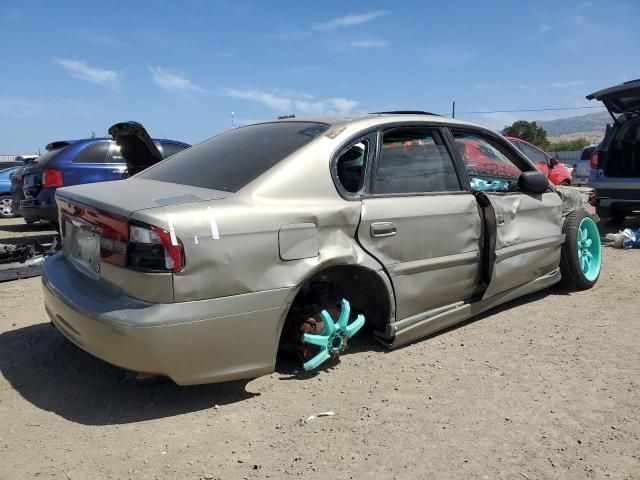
point(299, 234)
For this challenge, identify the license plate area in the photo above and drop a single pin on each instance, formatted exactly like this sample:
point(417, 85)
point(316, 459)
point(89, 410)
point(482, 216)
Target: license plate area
point(28, 181)
point(82, 246)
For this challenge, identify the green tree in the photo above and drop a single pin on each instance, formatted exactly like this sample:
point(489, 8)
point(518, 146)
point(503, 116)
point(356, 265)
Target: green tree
point(528, 131)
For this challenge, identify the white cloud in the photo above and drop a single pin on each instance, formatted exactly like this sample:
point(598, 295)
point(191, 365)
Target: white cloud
point(274, 102)
point(173, 81)
point(445, 56)
point(572, 83)
point(348, 20)
point(296, 103)
point(544, 28)
point(81, 69)
point(369, 44)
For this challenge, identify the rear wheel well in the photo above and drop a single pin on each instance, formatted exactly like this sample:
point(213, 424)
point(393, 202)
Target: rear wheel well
point(363, 288)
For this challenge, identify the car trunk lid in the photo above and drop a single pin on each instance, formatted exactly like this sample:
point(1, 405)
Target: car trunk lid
point(133, 194)
point(620, 99)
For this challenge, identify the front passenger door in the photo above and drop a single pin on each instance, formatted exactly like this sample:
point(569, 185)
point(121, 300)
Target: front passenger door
point(524, 229)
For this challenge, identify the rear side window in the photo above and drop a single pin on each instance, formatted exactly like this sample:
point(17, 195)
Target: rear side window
point(169, 149)
point(232, 159)
point(350, 166)
point(94, 153)
point(45, 157)
point(414, 160)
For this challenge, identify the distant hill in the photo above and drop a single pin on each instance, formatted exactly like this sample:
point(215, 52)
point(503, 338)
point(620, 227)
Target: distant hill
point(592, 124)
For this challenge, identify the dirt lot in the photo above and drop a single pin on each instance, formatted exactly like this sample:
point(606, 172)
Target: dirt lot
point(545, 387)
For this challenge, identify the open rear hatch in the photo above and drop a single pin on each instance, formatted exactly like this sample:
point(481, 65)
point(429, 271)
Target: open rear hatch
point(622, 98)
point(622, 157)
point(136, 146)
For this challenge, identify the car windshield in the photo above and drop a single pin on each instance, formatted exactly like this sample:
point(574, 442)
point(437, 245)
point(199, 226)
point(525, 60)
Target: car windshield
point(232, 159)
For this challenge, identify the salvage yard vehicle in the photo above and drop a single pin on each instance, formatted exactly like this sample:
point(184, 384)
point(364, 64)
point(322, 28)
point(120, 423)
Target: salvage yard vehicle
point(296, 233)
point(6, 202)
point(557, 172)
point(74, 162)
point(615, 162)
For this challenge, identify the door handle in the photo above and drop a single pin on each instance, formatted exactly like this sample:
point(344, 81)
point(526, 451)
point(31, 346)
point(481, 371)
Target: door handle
point(383, 229)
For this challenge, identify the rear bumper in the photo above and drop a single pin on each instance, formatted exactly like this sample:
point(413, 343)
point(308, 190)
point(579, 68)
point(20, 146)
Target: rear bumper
point(618, 198)
point(190, 342)
point(37, 209)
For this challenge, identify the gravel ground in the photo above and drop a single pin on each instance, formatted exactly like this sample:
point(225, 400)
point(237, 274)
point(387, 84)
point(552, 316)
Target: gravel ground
point(544, 387)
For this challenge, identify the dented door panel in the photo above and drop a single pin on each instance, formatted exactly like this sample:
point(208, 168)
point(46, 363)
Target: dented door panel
point(433, 257)
point(528, 236)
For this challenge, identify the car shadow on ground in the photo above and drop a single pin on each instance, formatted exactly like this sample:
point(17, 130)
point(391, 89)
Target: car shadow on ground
point(289, 365)
point(606, 226)
point(55, 375)
point(27, 228)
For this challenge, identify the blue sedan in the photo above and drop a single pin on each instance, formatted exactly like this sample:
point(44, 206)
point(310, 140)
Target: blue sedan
point(6, 203)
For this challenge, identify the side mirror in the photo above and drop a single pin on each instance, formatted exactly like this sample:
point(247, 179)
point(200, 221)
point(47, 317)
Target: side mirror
point(533, 182)
point(553, 161)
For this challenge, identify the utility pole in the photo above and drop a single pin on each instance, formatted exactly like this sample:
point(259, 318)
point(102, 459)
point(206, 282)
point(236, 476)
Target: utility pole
point(232, 120)
point(453, 110)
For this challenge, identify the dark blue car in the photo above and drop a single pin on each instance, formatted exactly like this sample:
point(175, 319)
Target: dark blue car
point(73, 162)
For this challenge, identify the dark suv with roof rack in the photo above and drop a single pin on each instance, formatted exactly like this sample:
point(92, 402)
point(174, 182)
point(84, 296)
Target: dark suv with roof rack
point(615, 163)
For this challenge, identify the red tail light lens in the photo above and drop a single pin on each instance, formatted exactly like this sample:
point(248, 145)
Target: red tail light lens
point(153, 249)
point(593, 159)
point(52, 178)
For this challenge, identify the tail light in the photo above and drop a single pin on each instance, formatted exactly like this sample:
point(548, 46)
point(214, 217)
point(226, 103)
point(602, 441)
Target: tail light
point(153, 249)
point(133, 245)
point(593, 159)
point(52, 178)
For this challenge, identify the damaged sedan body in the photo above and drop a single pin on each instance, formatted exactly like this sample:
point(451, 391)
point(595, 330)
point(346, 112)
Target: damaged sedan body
point(302, 233)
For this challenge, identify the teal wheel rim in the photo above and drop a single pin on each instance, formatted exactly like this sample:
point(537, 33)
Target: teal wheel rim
point(589, 249)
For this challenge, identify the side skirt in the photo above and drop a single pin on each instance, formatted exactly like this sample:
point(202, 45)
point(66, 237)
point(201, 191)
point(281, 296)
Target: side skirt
point(409, 329)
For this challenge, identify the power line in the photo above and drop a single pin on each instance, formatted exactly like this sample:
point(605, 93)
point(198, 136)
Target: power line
point(533, 110)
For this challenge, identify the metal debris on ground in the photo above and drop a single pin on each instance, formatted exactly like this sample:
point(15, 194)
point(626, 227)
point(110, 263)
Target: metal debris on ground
point(24, 260)
point(321, 414)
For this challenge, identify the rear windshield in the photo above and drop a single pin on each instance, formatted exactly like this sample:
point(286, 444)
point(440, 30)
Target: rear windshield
point(45, 157)
point(232, 159)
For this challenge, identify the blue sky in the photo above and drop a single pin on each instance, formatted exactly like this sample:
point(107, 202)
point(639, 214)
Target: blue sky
point(181, 68)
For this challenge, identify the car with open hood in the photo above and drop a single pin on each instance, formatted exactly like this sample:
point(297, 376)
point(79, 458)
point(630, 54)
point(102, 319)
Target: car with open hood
point(615, 162)
point(301, 233)
point(75, 162)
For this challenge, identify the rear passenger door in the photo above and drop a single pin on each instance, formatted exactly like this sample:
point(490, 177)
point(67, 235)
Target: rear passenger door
point(524, 230)
point(419, 222)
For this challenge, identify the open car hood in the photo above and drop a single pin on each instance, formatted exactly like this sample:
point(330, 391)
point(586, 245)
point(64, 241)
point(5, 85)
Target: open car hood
point(621, 98)
point(136, 146)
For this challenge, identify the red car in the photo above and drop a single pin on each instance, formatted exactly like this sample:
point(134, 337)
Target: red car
point(555, 171)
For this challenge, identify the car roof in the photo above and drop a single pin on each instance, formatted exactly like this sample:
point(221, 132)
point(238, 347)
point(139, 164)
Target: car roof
point(362, 120)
